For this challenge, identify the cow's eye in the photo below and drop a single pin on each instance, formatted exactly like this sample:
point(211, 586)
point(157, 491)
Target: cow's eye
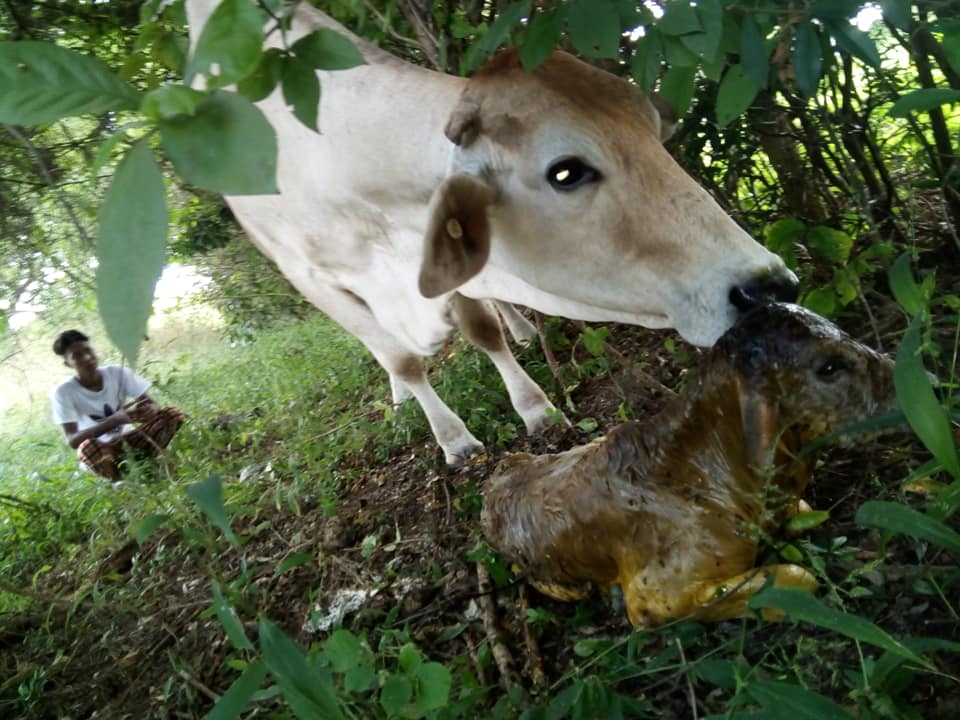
point(570, 173)
point(831, 366)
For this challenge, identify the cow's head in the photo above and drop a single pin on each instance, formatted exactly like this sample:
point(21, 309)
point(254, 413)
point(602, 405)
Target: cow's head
point(559, 180)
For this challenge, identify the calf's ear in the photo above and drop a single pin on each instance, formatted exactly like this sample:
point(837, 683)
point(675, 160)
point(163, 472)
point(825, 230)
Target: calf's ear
point(457, 243)
point(759, 417)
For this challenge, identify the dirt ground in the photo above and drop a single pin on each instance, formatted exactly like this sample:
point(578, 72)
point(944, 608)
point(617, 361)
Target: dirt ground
point(400, 553)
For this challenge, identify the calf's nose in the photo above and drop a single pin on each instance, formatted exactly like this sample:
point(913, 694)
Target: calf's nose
point(782, 288)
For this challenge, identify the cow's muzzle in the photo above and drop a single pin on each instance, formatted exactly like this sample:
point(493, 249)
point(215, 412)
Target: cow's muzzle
point(759, 292)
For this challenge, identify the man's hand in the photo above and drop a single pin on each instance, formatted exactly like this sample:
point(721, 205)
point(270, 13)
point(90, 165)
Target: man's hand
point(140, 410)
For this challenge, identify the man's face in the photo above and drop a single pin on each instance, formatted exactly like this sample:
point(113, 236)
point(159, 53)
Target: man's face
point(81, 357)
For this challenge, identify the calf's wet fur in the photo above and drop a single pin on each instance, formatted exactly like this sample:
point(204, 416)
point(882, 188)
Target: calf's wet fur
point(673, 510)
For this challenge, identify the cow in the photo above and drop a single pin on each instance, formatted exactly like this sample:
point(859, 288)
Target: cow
point(425, 196)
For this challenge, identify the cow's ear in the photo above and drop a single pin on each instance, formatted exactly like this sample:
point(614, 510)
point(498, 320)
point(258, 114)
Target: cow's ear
point(463, 125)
point(457, 244)
point(760, 421)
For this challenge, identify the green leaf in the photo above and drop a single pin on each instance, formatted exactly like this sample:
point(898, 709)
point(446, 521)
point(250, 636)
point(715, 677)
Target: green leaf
point(647, 56)
point(830, 244)
point(856, 42)
point(326, 49)
point(168, 100)
point(735, 94)
point(785, 701)
point(835, 9)
point(542, 37)
point(498, 33)
point(677, 88)
point(232, 40)
point(359, 679)
point(307, 689)
point(803, 521)
point(806, 58)
point(899, 518)
point(42, 82)
point(594, 339)
point(753, 52)
point(802, 606)
point(131, 248)
point(146, 527)
point(295, 560)
point(594, 28)
point(395, 692)
point(345, 651)
point(261, 82)
point(919, 403)
point(782, 237)
point(301, 90)
point(229, 621)
point(208, 495)
point(679, 18)
point(227, 145)
point(239, 694)
point(822, 301)
point(897, 12)
point(710, 13)
point(433, 686)
point(409, 658)
point(888, 662)
point(904, 287)
point(923, 100)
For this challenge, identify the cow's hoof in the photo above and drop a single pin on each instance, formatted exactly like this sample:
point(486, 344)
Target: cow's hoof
point(457, 458)
point(548, 423)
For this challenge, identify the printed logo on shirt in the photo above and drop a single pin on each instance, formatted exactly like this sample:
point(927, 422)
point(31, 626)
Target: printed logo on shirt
point(107, 412)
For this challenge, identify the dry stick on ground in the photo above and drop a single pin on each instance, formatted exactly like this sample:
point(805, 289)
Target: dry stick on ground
point(547, 352)
point(501, 655)
point(477, 665)
point(199, 686)
point(686, 672)
point(534, 659)
point(645, 378)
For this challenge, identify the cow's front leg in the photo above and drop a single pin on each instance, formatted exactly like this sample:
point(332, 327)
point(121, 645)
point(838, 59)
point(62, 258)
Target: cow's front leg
point(481, 326)
point(399, 392)
point(521, 329)
point(450, 431)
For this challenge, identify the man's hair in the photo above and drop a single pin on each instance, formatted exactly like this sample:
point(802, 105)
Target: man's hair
point(66, 339)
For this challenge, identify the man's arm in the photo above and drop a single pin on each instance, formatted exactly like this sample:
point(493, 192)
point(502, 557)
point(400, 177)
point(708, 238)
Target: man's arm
point(75, 437)
point(141, 408)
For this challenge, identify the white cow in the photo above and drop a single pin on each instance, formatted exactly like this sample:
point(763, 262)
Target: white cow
point(425, 194)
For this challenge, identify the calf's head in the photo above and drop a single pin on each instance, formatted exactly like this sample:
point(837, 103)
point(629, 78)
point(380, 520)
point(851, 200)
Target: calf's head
point(795, 371)
point(559, 179)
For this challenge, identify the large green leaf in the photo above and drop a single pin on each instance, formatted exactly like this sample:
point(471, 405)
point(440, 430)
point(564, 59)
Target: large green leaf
point(229, 620)
point(899, 518)
point(856, 42)
point(801, 605)
point(785, 701)
point(308, 690)
point(345, 650)
point(647, 56)
point(239, 694)
point(498, 33)
point(594, 28)
point(753, 52)
point(208, 495)
point(232, 40)
point(904, 287)
point(831, 244)
point(735, 94)
point(923, 100)
point(227, 145)
point(301, 90)
point(433, 686)
point(542, 37)
point(897, 12)
point(146, 526)
point(677, 88)
point(326, 49)
point(131, 248)
point(261, 82)
point(680, 18)
point(42, 82)
point(806, 58)
point(919, 403)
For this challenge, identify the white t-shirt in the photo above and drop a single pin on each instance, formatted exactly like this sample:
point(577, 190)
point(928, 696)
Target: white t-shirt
point(72, 402)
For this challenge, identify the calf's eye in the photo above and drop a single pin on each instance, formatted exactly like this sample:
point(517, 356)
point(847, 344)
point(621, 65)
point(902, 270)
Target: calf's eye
point(570, 173)
point(830, 367)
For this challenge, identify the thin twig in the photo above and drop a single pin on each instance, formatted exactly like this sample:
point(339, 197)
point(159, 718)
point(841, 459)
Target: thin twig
point(45, 171)
point(693, 697)
point(534, 659)
point(199, 686)
point(547, 351)
point(501, 655)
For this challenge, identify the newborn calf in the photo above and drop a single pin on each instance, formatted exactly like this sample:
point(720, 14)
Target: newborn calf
point(673, 509)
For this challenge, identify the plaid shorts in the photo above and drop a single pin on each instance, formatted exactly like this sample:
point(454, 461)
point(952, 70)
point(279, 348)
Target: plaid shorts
point(148, 439)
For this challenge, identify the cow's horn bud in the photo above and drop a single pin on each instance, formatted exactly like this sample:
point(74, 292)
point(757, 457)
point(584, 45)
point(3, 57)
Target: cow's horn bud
point(454, 228)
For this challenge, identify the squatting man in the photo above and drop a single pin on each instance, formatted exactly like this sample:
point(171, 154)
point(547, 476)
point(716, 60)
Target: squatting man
point(98, 421)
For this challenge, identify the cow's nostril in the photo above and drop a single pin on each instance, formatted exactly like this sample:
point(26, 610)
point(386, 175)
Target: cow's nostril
point(758, 292)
